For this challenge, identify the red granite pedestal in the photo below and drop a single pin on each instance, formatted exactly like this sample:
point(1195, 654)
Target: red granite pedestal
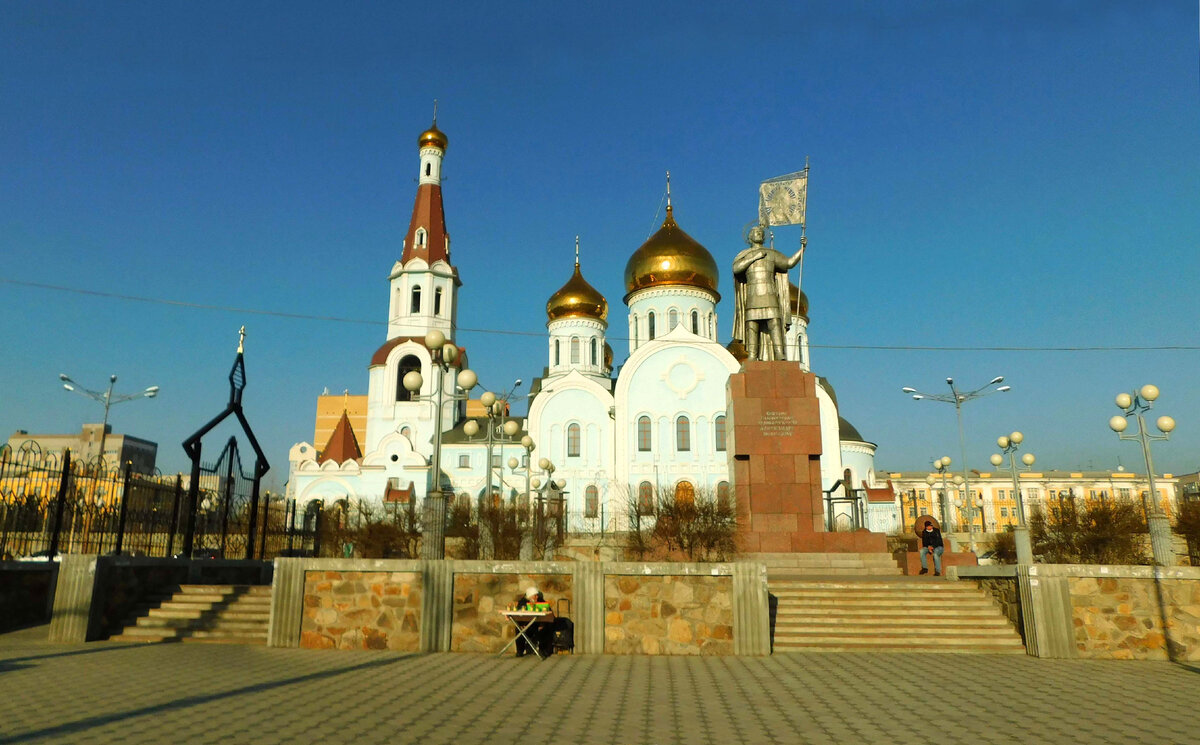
point(775, 464)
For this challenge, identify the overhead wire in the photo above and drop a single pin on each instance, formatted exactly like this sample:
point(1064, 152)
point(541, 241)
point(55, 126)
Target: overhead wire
point(540, 334)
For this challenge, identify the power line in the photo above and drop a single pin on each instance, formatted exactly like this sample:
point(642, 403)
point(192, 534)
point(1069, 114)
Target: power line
point(538, 334)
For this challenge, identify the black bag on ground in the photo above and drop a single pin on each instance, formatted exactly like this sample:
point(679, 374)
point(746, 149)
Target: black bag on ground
point(564, 634)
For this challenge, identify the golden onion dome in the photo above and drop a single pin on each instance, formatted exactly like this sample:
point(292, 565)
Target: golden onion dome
point(433, 137)
point(577, 298)
point(799, 301)
point(608, 356)
point(671, 257)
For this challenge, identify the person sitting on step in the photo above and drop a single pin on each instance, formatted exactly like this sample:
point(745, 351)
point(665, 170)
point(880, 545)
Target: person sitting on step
point(931, 545)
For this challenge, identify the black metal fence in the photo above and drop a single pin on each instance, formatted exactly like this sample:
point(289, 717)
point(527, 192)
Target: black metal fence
point(51, 504)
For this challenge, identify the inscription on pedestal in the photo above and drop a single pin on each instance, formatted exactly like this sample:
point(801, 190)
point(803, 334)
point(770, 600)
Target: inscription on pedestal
point(776, 424)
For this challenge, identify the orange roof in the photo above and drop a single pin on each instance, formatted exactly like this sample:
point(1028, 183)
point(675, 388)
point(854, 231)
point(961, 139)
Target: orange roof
point(342, 445)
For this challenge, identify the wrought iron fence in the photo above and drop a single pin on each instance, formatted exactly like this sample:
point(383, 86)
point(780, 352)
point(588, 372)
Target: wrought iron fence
point(52, 504)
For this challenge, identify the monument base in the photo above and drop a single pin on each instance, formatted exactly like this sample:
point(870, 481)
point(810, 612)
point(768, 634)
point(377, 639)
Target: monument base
point(774, 422)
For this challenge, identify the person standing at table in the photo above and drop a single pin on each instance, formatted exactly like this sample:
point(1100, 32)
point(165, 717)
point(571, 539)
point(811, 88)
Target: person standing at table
point(541, 633)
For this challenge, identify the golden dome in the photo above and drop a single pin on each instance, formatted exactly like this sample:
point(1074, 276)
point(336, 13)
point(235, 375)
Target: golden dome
point(799, 301)
point(577, 298)
point(608, 356)
point(671, 257)
point(433, 137)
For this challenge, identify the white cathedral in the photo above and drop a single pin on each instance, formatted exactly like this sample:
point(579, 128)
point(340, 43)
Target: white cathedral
point(657, 424)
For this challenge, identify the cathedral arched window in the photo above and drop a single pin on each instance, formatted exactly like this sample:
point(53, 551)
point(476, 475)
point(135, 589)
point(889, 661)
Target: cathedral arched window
point(696, 322)
point(719, 433)
point(685, 493)
point(645, 498)
point(712, 326)
point(408, 364)
point(595, 358)
point(574, 350)
point(415, 305)
point(557, 353)
point(591, 501)
point(650, 326)
point(437, 301)
point(683, 434)
point(420, 237)
point(573, 441)
point(428, 168)
point(672, 320)
point(643, 434)
point(723, 494)
point(633, 325)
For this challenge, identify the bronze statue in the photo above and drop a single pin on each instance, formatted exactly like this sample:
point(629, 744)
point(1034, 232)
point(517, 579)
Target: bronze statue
point(761, 314)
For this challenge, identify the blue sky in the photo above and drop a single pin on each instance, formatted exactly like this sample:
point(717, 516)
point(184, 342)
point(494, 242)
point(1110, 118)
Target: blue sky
point(1018, 174)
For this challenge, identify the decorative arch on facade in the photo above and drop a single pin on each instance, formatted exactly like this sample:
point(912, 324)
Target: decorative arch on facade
point(591, 501)
point(645, 498)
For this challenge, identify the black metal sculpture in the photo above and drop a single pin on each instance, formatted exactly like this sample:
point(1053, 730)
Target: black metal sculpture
point(192, 446)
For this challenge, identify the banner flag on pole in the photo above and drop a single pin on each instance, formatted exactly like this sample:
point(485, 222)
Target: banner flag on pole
point(781, 200)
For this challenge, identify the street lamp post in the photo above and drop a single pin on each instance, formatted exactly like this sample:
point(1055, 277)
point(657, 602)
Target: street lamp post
point(526, 550)
point(1008, 445)
point(108, 399)
point(442, 354)
point(941, 465)
point(958, 398)
point(500, 431)
point(1135, 405)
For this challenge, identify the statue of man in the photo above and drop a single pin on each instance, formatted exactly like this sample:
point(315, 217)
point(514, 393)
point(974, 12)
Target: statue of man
point(761, 313)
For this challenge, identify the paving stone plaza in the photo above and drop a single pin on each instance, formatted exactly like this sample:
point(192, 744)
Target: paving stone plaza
point(107, 692)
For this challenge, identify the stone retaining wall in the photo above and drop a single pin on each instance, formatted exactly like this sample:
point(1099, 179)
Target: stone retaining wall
point(361, 610)
point(441, 606)
point(1123, 617)
point(668, 614)
point(26, 593)
point(1005, 592)
point(1100, 612)
point(477, 626)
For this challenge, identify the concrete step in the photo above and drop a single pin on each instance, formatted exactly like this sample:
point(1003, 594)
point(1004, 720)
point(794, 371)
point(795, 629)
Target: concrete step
point(865, 590)
point(805, 573)
point(906, 620)
point(912, 631)
point(918, 604)
point(227, 634)
point(876, 583)
point(914, 637)
point(898, 648)
point(248, 640)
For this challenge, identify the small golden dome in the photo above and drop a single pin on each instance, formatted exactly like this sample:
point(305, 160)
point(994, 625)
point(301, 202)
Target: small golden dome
point(671, 257)
point(577, 298)
point(608, 356)
point(799, 301)
point(433, 137)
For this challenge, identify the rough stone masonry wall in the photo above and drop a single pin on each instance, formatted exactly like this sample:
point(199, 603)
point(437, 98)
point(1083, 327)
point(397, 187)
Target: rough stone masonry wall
point(1122, 617)
point(361, 610)
point(668, 614)
point(1006, 593)
point(477, 626)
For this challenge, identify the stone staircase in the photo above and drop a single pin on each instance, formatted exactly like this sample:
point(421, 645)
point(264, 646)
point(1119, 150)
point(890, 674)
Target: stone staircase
point(785, 566)
point(880, 614)
point(223, 614)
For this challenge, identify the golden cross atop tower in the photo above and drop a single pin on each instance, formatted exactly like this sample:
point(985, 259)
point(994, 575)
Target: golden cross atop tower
point(576, 250)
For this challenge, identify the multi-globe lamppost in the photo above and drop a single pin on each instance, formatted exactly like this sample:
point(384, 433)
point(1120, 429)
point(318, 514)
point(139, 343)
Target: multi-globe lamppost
point(442, 354)
point(941, 465)
point(108, 399)
point(1008, 445)
point(1135, 405)
point(500, 431)
point(958, 398)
